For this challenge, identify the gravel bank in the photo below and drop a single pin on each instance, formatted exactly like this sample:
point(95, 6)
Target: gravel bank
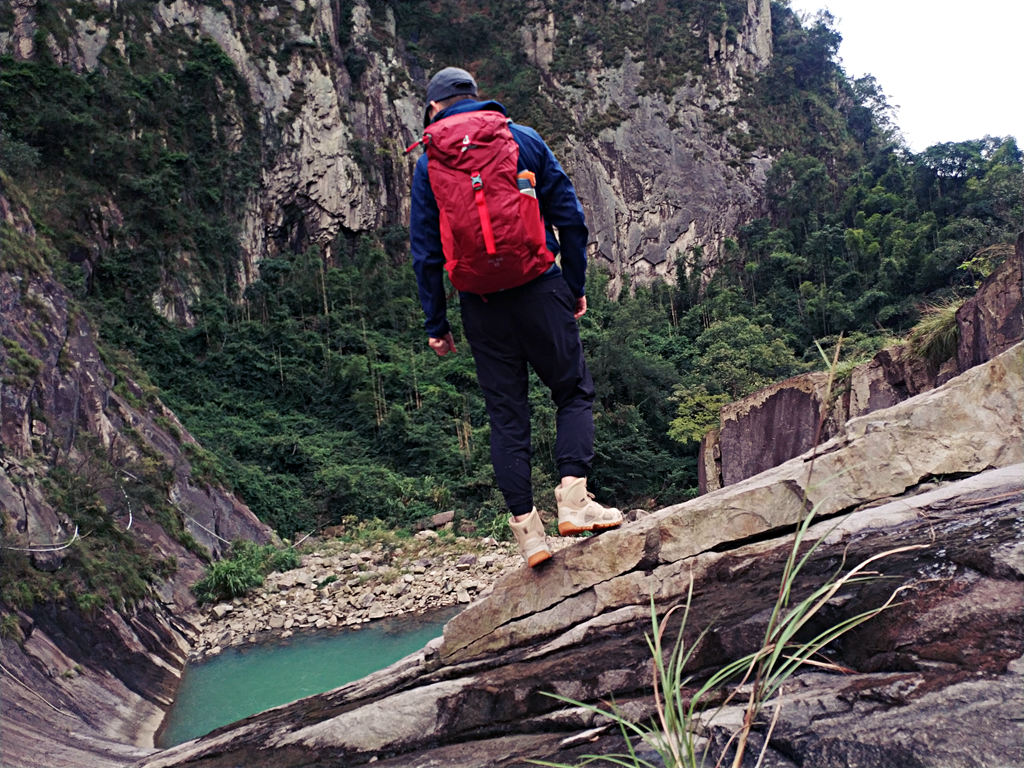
point(340, 586)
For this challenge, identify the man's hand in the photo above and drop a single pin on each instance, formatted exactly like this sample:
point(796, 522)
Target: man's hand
point(443, 345)
point(581, 307)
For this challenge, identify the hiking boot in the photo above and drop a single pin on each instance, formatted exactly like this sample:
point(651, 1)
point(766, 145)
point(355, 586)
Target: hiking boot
point(578, 512)
point(530, 537)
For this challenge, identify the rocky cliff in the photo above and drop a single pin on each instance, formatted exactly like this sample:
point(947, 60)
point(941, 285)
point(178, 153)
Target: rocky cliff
point(779, 422)
point(663, 180)
point(338, 95)
point(934, 481)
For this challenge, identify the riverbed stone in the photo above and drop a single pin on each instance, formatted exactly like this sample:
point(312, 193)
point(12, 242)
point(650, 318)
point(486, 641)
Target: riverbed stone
point(378, 584)
point(398, 589)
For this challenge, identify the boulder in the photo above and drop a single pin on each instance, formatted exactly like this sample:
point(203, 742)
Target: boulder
point(771, 426)
point(891, 376)
point(442, 519)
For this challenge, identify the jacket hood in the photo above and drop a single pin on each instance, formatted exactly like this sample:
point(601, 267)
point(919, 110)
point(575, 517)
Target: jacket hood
point(468, 105)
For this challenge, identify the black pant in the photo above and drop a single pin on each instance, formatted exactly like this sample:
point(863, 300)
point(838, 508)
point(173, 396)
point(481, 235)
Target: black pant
point(531, 324)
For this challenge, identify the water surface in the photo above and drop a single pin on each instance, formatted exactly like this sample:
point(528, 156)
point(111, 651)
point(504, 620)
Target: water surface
point(243, 681)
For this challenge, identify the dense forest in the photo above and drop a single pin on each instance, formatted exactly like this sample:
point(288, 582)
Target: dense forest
point(313, 391)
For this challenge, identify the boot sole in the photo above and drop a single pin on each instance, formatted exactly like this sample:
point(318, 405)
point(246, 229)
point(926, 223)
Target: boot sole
point(537, 558)
point(569, 529)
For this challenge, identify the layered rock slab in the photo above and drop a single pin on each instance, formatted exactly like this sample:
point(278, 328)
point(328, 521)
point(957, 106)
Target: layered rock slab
point(576, 627)
point(962, 427)
point(88, 694)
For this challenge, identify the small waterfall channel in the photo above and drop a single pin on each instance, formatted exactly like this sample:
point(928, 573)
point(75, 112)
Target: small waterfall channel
point(245, 680)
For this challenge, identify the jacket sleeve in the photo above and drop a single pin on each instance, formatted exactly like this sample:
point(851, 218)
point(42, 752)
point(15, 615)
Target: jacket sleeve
point(427, 256)
point(559, 206)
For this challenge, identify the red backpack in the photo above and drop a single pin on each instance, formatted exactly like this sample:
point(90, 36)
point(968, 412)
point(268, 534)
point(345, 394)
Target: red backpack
point(492, 233)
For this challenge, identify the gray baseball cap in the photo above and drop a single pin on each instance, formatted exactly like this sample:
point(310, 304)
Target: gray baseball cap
point(450, 81)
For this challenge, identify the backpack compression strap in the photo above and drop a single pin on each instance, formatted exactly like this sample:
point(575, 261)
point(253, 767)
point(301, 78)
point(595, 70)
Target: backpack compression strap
point(485, 216)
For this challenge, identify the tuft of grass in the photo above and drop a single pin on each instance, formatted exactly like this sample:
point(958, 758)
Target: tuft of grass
point(242, 571)
point(23, 366)
point(21, 253)
point(936, 335)
point(10, 628)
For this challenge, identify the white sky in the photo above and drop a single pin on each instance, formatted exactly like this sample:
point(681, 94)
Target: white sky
point(952, 68)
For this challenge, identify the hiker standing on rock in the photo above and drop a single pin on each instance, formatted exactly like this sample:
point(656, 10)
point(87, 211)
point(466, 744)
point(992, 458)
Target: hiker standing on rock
point(485, 196)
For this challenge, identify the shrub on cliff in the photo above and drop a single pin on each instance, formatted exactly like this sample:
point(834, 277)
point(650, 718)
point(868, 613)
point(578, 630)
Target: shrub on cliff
point(936, 335)
point(243, 570)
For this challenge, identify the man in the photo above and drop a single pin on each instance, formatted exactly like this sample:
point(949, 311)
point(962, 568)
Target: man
point(533, 324)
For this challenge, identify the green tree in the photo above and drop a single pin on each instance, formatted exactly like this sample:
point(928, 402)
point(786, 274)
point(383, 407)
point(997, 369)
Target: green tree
point(697, 412)
point(736, 356)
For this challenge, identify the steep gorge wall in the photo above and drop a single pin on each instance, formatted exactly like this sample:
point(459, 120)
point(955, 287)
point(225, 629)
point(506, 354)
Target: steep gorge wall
point(664, 180)
point(102, 522)
point(62, 403)
point(334, 160)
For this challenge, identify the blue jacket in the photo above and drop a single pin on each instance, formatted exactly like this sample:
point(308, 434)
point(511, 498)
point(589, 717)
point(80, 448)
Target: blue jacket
point(558, 205)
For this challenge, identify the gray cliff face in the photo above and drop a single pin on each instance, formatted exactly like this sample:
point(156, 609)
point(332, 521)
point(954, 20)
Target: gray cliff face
point(333, 147)
point(664, 180)
point(653, 193)
point(934, 681)
point(333, 159)
point(660, 181)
